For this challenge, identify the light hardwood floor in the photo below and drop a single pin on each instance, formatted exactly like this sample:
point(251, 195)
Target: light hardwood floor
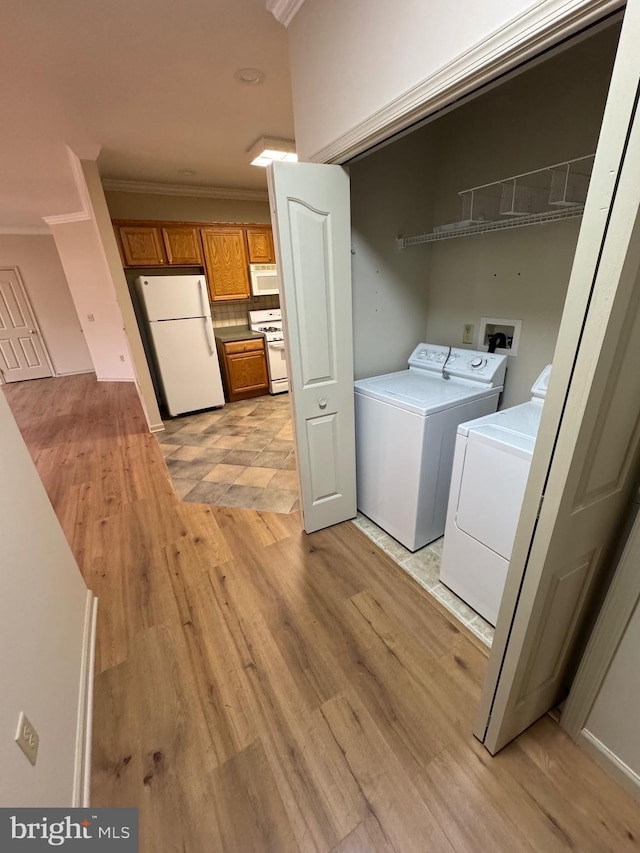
point(259, 689)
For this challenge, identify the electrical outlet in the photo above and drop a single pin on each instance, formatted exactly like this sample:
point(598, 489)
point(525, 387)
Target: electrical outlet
point(467, 333)
point(27, 738)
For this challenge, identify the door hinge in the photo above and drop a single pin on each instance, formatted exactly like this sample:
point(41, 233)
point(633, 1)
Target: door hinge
point(539, 506)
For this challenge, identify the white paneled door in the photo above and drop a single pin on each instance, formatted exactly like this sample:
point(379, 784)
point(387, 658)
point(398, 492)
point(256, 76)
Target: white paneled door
point(22, 353)
point(585, 464)
point(310, 213)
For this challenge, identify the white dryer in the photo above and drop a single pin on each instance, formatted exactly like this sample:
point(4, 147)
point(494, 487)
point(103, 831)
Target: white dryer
point(405, 436)
point(490, 471)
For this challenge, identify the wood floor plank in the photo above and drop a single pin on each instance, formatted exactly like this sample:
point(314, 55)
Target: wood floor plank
point(405, 820)
point(244, 786)
point(263, 689)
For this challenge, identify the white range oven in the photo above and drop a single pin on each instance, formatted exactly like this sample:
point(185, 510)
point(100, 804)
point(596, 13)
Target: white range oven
point(269, 322)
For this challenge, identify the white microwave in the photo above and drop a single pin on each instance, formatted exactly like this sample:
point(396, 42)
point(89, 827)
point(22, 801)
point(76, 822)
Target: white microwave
point(264, 279)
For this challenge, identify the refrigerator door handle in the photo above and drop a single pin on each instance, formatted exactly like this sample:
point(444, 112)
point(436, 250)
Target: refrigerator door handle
point(209, 334)
point(207, 319)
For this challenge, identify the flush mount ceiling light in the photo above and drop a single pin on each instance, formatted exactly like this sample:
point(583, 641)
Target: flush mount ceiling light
point(266, 150)
point(186, 172)
point(249, 76)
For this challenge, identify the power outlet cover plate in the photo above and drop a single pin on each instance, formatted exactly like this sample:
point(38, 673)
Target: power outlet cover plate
point(27, 738)
point(467, 333)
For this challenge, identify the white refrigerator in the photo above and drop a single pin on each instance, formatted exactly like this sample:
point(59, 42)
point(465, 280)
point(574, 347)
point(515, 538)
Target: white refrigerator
point(178, 318)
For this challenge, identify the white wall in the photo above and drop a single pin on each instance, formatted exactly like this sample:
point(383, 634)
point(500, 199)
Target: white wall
point(42, 610)
point(85, 267)
point(351, 60)
point(118, 284)
point(127, 205)
point(614, 719)
point(36, 257)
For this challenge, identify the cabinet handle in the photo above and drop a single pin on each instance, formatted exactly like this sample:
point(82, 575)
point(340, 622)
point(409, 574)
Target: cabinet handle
point(322, 403)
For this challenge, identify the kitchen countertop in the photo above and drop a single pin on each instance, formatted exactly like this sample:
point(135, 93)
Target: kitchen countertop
point(226, 334)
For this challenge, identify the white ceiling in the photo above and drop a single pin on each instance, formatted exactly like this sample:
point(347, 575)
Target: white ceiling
point(150, 81)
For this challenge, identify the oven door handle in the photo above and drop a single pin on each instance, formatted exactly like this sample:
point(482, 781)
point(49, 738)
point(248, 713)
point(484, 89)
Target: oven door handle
point(276, 344)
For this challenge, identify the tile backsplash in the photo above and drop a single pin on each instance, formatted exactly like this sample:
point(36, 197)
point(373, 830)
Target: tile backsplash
point(237, 313)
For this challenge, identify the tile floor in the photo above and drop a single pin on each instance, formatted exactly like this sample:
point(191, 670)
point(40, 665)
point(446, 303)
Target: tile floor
point(241, 455)
point(424, 566)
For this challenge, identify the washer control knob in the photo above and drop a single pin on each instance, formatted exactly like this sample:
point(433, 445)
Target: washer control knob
point(478, 362)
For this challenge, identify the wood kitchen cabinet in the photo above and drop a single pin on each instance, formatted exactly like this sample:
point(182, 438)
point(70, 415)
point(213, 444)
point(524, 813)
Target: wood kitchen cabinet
point(260, 245)
point(226, 263)
point(224, 250)
point(182, 245)
point(244, 368)
point(141, 246)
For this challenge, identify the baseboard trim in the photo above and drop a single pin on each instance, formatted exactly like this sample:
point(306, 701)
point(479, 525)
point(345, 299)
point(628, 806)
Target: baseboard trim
point(115, 379)
point(156, 427)
point(74, 372)
point(84, 730)
point(610, 763)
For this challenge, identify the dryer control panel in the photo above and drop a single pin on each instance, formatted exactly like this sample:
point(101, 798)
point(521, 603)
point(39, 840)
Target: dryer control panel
point(486, 368)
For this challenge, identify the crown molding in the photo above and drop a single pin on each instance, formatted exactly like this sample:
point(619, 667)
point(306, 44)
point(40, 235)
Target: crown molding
point(64, 218)
point(81, 186)
point(538, 29)
point(284, 11)
point(87, 150)
point(119, 186)
point(19, 230)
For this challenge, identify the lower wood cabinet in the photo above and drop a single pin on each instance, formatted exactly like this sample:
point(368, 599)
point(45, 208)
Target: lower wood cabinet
point(244, 368)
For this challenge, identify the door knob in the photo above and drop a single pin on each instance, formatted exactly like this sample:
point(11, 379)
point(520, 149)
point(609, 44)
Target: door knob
point(322, 403)
point(32, 331)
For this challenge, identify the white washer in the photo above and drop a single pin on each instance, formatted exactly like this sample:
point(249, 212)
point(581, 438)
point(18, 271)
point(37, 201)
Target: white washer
point(405, 436)
point(490, 471)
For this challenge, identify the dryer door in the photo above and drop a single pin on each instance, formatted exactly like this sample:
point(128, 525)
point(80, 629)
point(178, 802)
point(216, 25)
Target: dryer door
point(496, 467)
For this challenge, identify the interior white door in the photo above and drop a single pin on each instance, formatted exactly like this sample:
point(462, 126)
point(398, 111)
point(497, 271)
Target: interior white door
point(310, 214)
point(585, 462)
point(22, 354)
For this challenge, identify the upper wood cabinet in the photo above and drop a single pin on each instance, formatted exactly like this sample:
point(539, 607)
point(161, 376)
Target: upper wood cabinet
point(226, 263)
point(182, 245)
point(141, 246)
point(260, 244)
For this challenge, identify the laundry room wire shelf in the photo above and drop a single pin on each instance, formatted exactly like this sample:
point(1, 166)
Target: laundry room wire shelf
point(532, 198)
point(497, 225)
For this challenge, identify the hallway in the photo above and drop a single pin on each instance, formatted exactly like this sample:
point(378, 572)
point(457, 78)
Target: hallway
point(259, 689)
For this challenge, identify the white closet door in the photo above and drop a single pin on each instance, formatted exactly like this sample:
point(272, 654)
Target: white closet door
point(586, 455)
point(310, 217)
point(22, 354)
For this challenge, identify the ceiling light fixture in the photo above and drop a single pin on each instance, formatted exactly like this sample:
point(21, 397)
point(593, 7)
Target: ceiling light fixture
point(267, 149)
point(186, 172)
point(249, 76)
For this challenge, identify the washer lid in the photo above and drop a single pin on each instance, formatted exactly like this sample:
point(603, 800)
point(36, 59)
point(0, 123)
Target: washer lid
point(523, 419)
point(539, 389)
point(420, 392)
